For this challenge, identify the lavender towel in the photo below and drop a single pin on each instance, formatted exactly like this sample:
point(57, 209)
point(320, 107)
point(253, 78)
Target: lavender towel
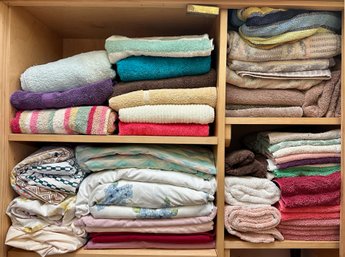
point(90, 94)
point(309, 162)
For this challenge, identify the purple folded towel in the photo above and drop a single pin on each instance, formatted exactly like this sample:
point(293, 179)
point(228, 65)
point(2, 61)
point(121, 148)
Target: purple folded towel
point(90, 94)
point(309, 162)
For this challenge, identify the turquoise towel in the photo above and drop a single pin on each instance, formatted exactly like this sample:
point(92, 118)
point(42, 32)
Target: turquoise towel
point(152, 68)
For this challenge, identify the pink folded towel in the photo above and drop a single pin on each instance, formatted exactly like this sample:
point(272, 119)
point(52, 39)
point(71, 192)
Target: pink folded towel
point(256, 225)
point(155, 129)
point(302, 156)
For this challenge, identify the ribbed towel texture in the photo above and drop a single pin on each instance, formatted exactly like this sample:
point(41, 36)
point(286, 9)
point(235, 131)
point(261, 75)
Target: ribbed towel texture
point(242, 191)
point(156, 129)
point(120, 47)
point(67, 73)
point(205, 96)
point(89, 120)
point(152, 68)
point(200, 114)
point(253, 224)
point(91, 94)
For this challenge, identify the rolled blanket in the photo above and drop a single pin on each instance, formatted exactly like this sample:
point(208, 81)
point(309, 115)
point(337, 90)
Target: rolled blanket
point(273, 97)
point(300, 22)
point(256, 225)
point(67, 73)
point(206, 80)
point(49, 175)
point(91, 94)
point(150, 245)
point(315, 170)
point(263, 83)
point(89, 120)
point(205, 95)
point(298, 157)
point(266, 112)
point(313, 74)
point(281, 66)
point(190, 159)
point(323, 45)
point(120, 47)
point(312, 212)
point(325, 160)
point(243, 162)
point(323, 97)
point(199, 114)
point(243, 191)
point(155, 129)
point(310, 191)
point(152, 68)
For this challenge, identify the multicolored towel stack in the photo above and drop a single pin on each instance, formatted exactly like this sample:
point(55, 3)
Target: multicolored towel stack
point(167, 87)
point(43, 215)
point(137, 193)
point(280, 63)
point(249, 195)
point(66, 97)
point(307, 171)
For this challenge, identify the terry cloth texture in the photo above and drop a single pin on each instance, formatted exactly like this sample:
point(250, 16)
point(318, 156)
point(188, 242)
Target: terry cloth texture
point(309, 162)
point(89, 120)
point(245, 163)
point(281, 66)
point(279, 98)
point(205, 95)
point(91, 94)
point(243, 191)
point(297, 157)
point(200, 114)
point(252, 12)
point(314, 74)
point(148, 245)
point(266, 112)
point(155, 129)
point(49, 174)
point(253, 224)
point(206, 80)
point(152, 68)
point(310, 190)
point(71, 72)
point(315, 170)
point(322, 99)
point(323, 45)
point(120, 47)
point(255, 83)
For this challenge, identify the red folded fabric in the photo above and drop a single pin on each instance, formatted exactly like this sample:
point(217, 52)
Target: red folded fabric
point(159, 238)
point(154, 129)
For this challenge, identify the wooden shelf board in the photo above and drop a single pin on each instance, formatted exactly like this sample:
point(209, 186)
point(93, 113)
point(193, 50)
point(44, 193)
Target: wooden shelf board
point(284, 121)
point(123, 253)
point(236, 243)
point(112, 139)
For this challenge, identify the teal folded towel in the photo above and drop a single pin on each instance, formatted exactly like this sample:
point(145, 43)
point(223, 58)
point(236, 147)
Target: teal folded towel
point(152, 68)
point(120, 47)
point(68, 73)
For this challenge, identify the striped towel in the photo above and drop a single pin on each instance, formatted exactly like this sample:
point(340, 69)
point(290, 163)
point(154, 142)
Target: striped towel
point(90, 120)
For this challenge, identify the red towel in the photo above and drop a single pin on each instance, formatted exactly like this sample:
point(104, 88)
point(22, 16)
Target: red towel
point(154, 129)
point(147, 237)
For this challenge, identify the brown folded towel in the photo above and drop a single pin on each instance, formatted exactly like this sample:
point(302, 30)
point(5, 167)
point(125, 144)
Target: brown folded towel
point(322, 99)
point(294, 111)
point(245, 163)
point(206, 80)
point(272, 97)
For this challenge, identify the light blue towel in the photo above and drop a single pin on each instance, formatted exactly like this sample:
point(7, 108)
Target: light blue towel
point(67, 73)
point(152, 68)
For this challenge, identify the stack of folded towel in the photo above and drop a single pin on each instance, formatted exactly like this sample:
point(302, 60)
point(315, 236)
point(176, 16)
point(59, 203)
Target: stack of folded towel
point(43, 215)
point(167, 87)
point(249, 195)
point(66, 97)
point(279, 63)
point(147, 196)
point(306, 167)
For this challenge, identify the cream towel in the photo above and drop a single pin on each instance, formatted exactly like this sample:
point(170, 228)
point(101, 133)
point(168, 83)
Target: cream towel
point(201, 114)
point(312, 74)
point(242, 191)
point(206, 95)
point(307, 149)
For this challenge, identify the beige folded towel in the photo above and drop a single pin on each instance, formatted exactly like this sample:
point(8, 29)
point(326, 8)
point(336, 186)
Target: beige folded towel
point(205, 95)
point(311, 74)
point(294, 111)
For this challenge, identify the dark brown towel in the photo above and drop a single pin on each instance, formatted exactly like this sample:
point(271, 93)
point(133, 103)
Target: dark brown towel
point(206, 80)
point(245, 163)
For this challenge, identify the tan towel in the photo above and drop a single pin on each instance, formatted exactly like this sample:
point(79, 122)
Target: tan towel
point(294, 111)
point(311, 74)
point(205, 95)
point(323, 45)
